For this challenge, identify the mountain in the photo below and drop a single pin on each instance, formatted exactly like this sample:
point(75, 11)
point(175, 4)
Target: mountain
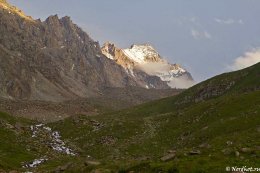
point(55, 60)
point(206, 128)
point(147, 59)
point(52, 69)
point(118, 55)
point(211, 127)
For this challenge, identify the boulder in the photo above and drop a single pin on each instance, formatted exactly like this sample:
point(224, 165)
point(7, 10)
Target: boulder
point(63, 168)
point(227, 151)
point(91, 163)
point(195, 152)
point(246, 150)
point(168, 157)
point(237, 154)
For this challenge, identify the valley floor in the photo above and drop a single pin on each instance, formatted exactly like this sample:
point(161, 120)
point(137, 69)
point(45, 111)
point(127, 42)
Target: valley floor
point(209, 128)
point(200, 138)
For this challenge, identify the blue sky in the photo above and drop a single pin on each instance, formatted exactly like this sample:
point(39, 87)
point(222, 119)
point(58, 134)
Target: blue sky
point(205, 36)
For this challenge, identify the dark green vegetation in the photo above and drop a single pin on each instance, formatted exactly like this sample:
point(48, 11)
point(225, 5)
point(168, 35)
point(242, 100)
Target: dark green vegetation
point(12, 148)
point(204, 129)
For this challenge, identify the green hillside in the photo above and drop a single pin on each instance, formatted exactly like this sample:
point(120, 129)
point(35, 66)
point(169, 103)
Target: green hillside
point(12, 146)
point(210, 126)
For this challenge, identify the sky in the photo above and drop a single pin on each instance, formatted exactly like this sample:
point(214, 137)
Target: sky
point(207, 37)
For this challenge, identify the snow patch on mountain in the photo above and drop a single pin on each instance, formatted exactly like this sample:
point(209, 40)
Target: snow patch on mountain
point(108, 55)
point(141, 53)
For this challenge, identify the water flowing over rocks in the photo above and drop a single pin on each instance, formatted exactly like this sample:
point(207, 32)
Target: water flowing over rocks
point(53, 138)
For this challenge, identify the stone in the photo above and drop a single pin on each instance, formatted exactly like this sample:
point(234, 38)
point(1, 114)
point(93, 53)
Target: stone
point(168, 157)
point(171, 151)
point(63, 168)
point(229, 143)
point(205, 145)
point(91, 163)
point(19, 126)
point(246, 150)
point(195, 152)
point(227, 151)
point(9, 126)
point(237, 154)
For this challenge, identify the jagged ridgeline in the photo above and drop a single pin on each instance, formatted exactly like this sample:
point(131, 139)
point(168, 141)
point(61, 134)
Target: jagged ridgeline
point(56, 60)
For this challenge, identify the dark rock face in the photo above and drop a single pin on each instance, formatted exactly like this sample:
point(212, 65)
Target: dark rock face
point(54, 60)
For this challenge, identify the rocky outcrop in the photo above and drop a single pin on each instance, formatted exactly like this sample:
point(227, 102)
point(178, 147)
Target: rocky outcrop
point(116, 54)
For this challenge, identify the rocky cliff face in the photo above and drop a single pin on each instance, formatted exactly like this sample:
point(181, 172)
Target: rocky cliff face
point(54, 60)
point(146, 59)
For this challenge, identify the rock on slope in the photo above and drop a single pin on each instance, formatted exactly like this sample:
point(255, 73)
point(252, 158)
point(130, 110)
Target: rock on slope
point(55, 60)
point(145, 58)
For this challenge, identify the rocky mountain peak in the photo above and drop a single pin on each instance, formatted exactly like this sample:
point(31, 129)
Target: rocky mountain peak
point(109, 50)
point(53, 19)
point(142, 53)
point(142, 46)
point(66, 19)
point(146, 58)
point(108, 44)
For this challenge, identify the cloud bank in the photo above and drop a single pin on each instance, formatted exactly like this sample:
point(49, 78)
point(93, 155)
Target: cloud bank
point(152, 68)
point(159, 68)
point(181, 83)
point(248, 59)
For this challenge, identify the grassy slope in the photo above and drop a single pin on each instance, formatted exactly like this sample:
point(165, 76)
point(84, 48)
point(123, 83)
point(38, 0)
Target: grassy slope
point(225, 108)
point(207, 117)
point(12, 148)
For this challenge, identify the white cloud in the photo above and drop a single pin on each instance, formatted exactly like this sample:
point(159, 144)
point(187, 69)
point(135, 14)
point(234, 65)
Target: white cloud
point(200, 34)
point(153, 67)
point(163, 67)
point(181, 83)
point(229, 21)
point(248, 59)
